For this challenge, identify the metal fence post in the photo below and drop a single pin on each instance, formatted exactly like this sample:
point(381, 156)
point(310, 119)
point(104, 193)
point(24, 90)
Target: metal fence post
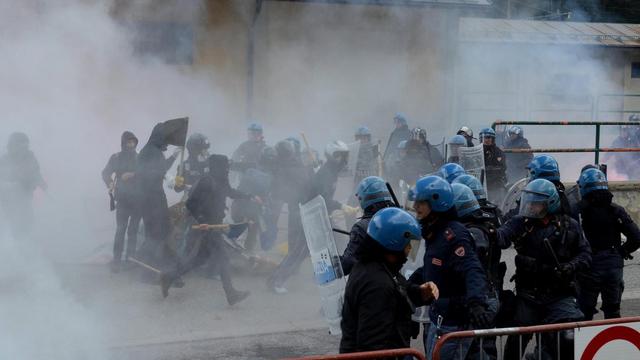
point(597, 144)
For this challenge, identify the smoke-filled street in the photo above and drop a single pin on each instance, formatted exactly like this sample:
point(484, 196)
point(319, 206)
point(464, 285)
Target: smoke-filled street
point(268, 179)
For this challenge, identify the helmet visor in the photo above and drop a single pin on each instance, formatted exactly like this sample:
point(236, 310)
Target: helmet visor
point(534, 205)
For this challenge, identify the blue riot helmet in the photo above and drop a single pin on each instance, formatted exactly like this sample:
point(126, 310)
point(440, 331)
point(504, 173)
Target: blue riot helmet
point(372, 190)
point(464, 200)
point(400, 119)
point(515, 130)
point(474, 184)
point(544, 167)
point(457, 140)
point(451, 171)
point(257, 127)
point(363, 131)
point(393, 228)
point(538, 199)
point(591, 180)
point(455, 143)
point(434, 190)
point(488, 133)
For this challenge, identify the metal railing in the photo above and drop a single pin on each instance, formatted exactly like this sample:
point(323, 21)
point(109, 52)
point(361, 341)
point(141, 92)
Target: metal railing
point(367, 355)
point(597, 149)
point(519, 331)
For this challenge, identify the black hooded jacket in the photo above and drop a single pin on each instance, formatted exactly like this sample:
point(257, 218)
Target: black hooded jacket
point(120, 163)
point(153, 166)
point(19, 171)
point(206, 201)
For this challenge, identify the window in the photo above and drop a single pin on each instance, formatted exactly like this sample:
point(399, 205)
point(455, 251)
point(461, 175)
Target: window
point(635, 70)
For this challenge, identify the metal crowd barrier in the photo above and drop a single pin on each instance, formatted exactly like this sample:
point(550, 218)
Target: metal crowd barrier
point(519, 331)
point(597, 149)
point(368, 355)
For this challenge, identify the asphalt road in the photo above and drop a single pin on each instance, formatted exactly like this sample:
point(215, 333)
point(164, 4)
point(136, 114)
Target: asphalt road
point(196, 323)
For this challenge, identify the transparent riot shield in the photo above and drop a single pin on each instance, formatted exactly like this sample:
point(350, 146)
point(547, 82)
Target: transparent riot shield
point(347, 177)
point(510, 200)
point(325, 260)
point(415, 261)
point(472, 160)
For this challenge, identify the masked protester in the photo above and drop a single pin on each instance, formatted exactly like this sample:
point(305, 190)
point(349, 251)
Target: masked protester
point(517, 163)
point(120, 175)
point(152, 168)
point(206, 203)
point(19, 178)
point(452, 263)
point(550, 250)
point(321, 183)
point(378, 300)
point(495, 165)
point(373, 195)
point(603, 222)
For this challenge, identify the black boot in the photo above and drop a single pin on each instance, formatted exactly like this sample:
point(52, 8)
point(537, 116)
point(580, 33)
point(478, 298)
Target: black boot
point(236, 296)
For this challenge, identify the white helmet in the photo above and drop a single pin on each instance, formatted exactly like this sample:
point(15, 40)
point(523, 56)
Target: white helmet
point(334, 148)
point(466, 131)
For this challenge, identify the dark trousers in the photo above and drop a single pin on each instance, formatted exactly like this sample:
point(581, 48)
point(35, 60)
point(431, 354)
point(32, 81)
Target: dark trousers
point(157, 225)
point(529, 313)
point(605, 279)
point(298, 250)
point(127, 221)
point(211, 249)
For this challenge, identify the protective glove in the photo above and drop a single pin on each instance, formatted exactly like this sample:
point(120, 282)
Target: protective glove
point(479, 316)
point(565, 271)
point(350, 210)
point(178, 181)
point(526, 263)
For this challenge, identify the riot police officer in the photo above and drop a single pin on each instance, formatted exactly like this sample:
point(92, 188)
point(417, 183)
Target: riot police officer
point(451, 171)
point(378, 300)
point(546, 167)
point(482, 227)
point(468, 135)
point(400, 133)
point(517, 162)
point(495, 165)
point(421, 157)
point(248, 153)
point(550, 249)
point(196, 165)
point(603, 223)
point(454, 145)
point(478, 190)
point(452, 263)
point(373, 195)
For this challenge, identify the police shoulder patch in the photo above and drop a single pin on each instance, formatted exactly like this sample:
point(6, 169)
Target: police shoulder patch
point(449, 234)
point(460, 251)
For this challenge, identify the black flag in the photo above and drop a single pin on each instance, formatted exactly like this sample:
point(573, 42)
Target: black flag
point(175, 131)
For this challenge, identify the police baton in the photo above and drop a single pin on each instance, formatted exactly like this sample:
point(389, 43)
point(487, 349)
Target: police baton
point(393, 195)
point(340, 231)
point(549, 248)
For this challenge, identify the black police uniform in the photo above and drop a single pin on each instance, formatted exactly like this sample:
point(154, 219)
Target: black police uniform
point(545, 276)
point(125, 194)
point(420, 159)
point(603, 223)
point(517, 162)
point(496, 166)
point(451, 262)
